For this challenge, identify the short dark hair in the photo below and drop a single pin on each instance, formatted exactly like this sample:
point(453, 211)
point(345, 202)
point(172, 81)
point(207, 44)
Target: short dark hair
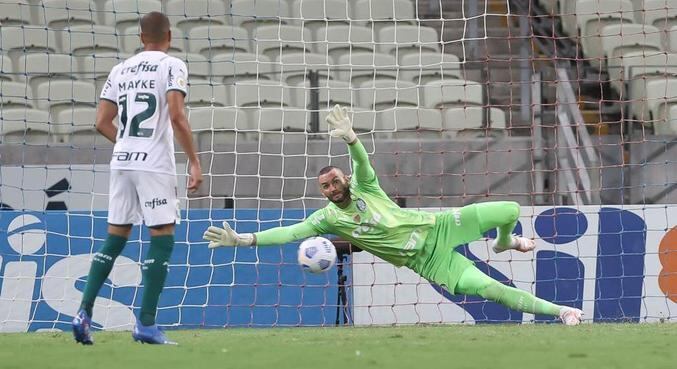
point(328, 169)
point(154, 26)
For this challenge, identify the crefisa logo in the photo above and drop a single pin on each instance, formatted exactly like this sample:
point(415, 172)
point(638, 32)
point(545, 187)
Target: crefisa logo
point(155, 202)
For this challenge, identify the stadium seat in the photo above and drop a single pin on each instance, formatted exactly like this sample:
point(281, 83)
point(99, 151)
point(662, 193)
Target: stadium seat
point(198, 65)
point(275, 41)
point(313, 15)
point(217, 126)
point(411, 123)
point(63, 95)
point(216, 39)
point(276, 119)
point(338, 40)
point(377, 14)
point(661, 14)
point(259, 93)
point(93, 68)
point(15, 95)
point(241, 67)
point(25, 126)
point(60, 14)
point(386, 94)
point(638, 66)
point(78, 127)
point(619, 39)
point(188, 14)
point(129, 40)
point(123, 14)
point(470, 121)
point(27, 39)
point(250, 14)
point(38, 68)
point(361, 66)
point(14, 13)
point(294, 68)
point(593, 15)
point(669, 126)
point(647, 103)
point(405, 39)
point(330, 92)
point(451, 93)
point(429, 66)
point(203, 93)
point(89, 40)
point(7, 72)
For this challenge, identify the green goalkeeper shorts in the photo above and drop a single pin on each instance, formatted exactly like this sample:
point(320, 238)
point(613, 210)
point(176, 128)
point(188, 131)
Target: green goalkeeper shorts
point(440, 263)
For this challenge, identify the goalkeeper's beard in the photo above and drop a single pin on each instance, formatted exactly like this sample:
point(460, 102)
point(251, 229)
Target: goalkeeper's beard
point(340, 199)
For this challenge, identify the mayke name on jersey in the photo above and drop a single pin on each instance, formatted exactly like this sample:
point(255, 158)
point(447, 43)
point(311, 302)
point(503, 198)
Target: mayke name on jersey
point(137, 84)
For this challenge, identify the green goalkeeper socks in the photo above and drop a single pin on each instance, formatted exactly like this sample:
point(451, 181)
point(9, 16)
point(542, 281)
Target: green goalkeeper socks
point(154, 275)
point(102, 264)
point(474, 282)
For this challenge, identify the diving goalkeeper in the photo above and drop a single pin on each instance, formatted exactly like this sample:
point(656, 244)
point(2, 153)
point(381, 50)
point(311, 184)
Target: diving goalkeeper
point(360, 212)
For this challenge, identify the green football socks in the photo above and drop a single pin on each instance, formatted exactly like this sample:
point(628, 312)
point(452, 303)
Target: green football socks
point(154, 275)
point(101, 266)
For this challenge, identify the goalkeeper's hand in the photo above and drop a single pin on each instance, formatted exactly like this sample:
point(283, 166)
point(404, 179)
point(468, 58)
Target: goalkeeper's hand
point(340, 124)
point(226, 236)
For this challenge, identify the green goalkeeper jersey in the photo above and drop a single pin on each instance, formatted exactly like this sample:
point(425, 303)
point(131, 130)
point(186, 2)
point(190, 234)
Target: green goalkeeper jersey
point(372, 221)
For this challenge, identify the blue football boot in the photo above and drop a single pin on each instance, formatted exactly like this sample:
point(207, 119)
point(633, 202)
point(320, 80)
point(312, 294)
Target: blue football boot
point(81, 328)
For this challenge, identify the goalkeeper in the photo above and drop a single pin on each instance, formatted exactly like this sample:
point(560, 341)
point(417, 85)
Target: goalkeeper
point(360, 212)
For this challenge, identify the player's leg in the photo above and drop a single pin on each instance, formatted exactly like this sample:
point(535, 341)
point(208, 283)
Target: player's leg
point(123, 211)
point(157, 193)
point(473, 282)
point(503, 216)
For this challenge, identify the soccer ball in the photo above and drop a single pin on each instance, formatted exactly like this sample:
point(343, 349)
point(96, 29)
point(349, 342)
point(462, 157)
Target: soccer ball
point(317, 254)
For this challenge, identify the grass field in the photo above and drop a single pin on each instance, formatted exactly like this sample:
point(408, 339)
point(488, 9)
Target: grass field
point(595, 346)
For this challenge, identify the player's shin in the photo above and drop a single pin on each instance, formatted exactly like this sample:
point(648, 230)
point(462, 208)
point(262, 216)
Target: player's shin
point(102, 264)
point(154, 274)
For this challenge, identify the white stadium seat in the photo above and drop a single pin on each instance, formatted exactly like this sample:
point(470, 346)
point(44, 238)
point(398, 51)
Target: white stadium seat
point(202, 93)
point(379, 13)
point(89, 40)
point(411, 122)
point(338, 40)
point(122, 14)
point(386, 94)
point(217, 39)
point(470, 121)
point(63, 95)
point(259, 93)
point(401, 40)
point(294, 68)
point(429, 66)
point(451, 93)
point(16, 12)
point(188, 14)
point(593, 15)
point(15, 95)
point(315, 14)
point(40, 67)
point(60, 14)
point(275, 41)
point(360, 66)
point(250, 14)
point(25, 126)
point(241, 67)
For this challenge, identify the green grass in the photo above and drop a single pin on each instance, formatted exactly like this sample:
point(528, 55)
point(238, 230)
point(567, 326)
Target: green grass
point(595, 346)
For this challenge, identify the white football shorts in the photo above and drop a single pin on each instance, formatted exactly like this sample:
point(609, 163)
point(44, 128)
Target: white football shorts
point(137, 195)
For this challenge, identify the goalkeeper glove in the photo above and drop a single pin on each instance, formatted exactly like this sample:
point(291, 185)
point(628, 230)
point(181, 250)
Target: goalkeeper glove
point(341, 125)
point(226, 236)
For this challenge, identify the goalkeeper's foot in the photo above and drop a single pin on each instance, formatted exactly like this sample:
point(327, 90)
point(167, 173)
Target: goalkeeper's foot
point(519, 243)
point(151, 334)
point(570, 316)
point(81, 328)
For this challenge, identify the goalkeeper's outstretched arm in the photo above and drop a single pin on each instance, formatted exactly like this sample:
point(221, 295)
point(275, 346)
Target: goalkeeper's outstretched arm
point(226, 236)
point(342, 127)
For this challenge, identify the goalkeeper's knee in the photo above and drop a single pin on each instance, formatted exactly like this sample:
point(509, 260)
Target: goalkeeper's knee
point(493, 291)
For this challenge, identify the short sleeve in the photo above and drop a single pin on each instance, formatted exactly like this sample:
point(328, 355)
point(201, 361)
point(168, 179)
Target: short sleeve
point(110, 89)
point(177, 76)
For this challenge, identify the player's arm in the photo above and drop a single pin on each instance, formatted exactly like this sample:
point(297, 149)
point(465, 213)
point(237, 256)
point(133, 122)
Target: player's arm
point(226, 236)
point(105, 113)
point(342, 127)
point(176, 92)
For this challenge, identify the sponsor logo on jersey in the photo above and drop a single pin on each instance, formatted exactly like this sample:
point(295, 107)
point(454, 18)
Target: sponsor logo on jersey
point(456, 213)
point(155, 202)
point(361, 205)
point(130, 155)
point(143, 66)
point(356, 218)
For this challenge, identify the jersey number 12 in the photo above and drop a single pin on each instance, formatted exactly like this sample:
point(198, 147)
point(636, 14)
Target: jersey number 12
point(134, 129)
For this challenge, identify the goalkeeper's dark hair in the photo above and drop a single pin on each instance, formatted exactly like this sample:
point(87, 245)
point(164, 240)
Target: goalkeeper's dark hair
point(328, 169)
point(154, 26)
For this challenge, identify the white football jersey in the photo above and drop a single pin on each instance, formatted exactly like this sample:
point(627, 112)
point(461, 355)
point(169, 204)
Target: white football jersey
point(139, 86)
